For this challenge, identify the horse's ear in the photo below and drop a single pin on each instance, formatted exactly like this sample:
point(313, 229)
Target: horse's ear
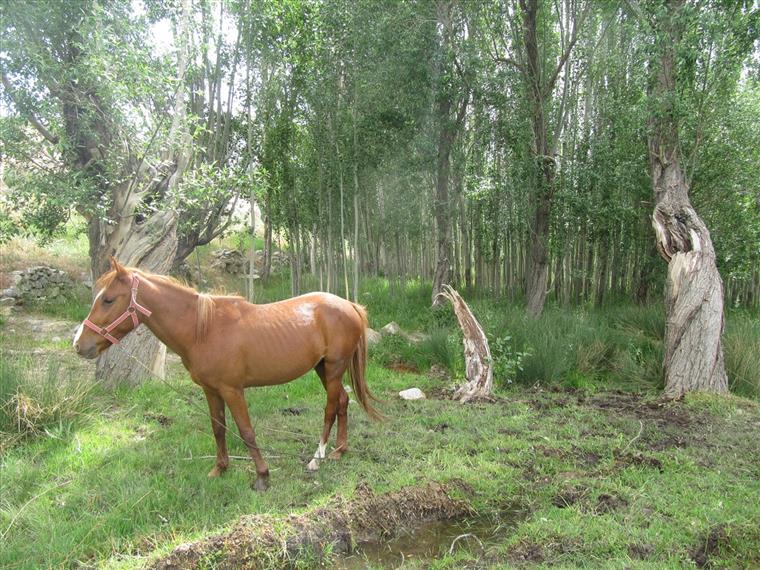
point(117, 267)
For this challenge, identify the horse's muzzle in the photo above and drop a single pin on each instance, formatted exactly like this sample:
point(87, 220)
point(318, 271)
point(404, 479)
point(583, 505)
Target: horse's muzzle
point(88, 352)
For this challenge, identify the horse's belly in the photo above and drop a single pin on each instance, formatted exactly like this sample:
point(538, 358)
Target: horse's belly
point(267, 365)
point(276, 375)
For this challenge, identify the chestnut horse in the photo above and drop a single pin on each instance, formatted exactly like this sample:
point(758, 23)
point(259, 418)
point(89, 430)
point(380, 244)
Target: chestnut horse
point(228, 344)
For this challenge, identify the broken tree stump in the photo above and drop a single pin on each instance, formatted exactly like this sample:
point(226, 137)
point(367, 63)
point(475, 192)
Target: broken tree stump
point(477, 354)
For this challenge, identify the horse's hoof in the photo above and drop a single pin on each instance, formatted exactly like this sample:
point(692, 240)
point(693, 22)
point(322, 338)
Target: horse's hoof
point(313, 465)
point(216, 471)
point(261, 485)
point(336, 454)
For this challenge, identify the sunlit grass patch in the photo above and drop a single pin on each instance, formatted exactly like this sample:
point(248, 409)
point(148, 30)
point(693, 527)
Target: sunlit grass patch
point(38, 395)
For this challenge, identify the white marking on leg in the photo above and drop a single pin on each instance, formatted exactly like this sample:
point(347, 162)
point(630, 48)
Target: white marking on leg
point(318, 454)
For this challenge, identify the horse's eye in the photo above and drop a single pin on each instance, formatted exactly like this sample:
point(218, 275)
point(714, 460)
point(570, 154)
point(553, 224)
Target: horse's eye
point(107, 301)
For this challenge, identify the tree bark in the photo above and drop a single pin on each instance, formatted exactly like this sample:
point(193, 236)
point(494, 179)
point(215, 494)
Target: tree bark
point(151, 246)
point(693, 290)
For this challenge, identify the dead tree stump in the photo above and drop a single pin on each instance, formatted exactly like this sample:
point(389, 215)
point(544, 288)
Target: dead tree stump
point(477, 354)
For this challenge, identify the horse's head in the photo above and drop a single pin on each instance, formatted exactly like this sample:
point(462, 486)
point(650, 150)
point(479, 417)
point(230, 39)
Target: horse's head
point(113, 313)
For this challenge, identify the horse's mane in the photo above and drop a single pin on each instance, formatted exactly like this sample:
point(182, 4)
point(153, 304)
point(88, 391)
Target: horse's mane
point(204, 311)
point(204, 315)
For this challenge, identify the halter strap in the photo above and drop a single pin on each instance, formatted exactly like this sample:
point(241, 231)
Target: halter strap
point(130, 311)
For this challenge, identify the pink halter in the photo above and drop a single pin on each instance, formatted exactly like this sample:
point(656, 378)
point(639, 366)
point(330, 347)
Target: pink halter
point(131, 311)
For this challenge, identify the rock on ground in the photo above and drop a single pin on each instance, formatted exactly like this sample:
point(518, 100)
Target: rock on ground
point(373, 337)
point(390, 329)
point(412, 394)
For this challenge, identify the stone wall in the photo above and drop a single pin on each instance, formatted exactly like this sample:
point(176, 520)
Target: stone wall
point(38, 283)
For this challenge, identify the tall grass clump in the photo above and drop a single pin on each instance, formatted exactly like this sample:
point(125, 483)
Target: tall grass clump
point(741, 349)
point(408, 304)
point(38, 397)
point(579, 347)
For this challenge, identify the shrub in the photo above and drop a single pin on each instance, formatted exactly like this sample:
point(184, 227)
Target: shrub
point(507, 361)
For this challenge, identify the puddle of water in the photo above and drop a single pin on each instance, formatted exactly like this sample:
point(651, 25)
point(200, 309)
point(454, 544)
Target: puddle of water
point(430, 541)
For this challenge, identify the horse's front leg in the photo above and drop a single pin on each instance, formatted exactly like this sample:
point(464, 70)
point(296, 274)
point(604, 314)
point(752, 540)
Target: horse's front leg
point(235, 400)
point(218, 426)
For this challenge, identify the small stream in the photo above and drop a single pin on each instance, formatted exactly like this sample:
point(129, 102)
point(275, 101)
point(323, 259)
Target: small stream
point(431, 541)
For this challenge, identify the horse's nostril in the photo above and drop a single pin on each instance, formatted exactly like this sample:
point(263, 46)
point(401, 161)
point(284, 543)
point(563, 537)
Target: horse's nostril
point(76, 347)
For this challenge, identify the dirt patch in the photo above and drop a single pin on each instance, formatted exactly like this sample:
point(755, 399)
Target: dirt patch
point(663, 412)
point(609, 503)
point(527, 553)
point(626, 459)
point(550, 451)
point(160, 418)
point(586, 458)
point(338, 528)
point(292, 411)
point(569, 496)
point(708, 546)
point(641, 551)
point(404, 367)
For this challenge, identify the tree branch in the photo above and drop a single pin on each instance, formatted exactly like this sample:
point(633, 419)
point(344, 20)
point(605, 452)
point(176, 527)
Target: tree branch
point(28, 115)
point(573, 38)
point(634, 7)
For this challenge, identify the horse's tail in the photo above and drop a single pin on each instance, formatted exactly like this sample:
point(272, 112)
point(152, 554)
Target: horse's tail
point(358, 367)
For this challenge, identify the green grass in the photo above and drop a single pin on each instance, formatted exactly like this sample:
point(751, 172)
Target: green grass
point(598, 477)
point(132, 478)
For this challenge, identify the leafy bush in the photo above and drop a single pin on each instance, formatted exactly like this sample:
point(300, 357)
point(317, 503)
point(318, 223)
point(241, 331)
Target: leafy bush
point(507, 361)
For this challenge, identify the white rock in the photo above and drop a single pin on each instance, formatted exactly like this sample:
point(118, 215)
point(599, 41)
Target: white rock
point(416, 337)
point(391, 328)
point(373, 337)
point(412, 394)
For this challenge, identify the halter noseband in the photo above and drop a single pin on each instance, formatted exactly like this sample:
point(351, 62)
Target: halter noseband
point(130, 311)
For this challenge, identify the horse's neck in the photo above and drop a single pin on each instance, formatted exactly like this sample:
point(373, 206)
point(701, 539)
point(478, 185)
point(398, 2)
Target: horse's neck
point(173, 313)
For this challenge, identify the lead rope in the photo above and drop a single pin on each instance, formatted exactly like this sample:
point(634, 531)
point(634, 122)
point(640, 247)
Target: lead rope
point(200, 408)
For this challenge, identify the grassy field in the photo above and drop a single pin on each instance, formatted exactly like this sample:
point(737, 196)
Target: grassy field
point(576, 463)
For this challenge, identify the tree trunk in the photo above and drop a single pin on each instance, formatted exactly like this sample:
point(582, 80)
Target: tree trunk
point(448, 128)
point(141, 240)
point(540, 88)
point(694, 289)
point(151, 246)
point(538, 271)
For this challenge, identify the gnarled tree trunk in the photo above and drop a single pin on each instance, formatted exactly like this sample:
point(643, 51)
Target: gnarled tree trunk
point(146, 242)
point(694, 290)
point(139, 234)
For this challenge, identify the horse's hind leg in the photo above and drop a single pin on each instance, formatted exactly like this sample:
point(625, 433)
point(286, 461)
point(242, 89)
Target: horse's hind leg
point(216, 410)
point(235, 401)
point(331, 375)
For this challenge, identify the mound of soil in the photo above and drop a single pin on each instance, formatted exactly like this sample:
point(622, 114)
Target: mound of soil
point(365, 517)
